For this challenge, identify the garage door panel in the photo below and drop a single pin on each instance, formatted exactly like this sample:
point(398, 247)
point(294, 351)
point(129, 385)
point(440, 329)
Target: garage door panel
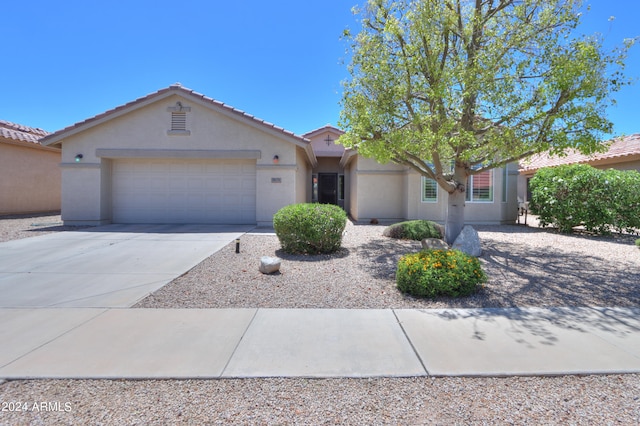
point(183, 191)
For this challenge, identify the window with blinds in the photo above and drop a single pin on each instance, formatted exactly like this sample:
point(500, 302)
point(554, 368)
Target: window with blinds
point(429, 190)
point(480, 187)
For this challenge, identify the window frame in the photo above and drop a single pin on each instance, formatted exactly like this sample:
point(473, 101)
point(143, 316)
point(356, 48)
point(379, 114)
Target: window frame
point(505, 183)
point(469, 192)
point(423, 182)
point(314, 188)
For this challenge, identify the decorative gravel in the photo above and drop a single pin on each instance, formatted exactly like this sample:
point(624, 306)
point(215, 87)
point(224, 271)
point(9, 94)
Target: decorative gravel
point(573, 400)
point(15, 227)
point(526, 267)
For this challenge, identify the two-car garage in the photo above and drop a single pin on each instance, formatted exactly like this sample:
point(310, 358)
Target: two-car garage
point(177, 156)
point(183, 191)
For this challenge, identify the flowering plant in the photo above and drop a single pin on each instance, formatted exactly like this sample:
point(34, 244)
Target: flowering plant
point(434, 273)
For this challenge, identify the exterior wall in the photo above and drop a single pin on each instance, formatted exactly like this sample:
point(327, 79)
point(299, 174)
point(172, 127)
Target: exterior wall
point(328, 165)
point(380, 192)
point(29, 179)
point(417, 209)
point(627, 165)
point(276, 188)
point(351, 202)
point(303, 178)
point(86, 195)
point(393, 193)
point(81, 195)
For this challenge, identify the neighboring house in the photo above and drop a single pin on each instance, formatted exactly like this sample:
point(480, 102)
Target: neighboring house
point(623, 154)
point(176, 156)
point(29, 172)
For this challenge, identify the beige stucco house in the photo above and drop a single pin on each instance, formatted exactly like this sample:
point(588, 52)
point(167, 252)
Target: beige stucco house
point(29, 172)
point(176, 156)
point(623, 153)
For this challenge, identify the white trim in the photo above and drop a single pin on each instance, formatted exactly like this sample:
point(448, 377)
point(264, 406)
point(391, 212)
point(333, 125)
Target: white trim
point(179, 132)
point(422, 199)
point(493, 190)
point(179, 153)
point(79, 165)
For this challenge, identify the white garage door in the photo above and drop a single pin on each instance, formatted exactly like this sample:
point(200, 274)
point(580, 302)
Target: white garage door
point(184, 191)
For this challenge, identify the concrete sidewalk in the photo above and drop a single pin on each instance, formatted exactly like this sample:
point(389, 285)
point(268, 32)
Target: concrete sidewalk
point(226, 343)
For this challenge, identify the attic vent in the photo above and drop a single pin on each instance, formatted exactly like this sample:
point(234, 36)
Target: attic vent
point(179, 119)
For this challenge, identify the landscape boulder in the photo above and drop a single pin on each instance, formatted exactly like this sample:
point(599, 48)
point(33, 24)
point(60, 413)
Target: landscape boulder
point(434, 244)
point(468, 242)
point(269, 265)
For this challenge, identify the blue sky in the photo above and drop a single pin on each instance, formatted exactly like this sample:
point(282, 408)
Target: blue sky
point(281, 60)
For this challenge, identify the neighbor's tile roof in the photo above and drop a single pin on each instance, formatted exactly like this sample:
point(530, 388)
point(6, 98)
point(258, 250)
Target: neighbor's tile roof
point(176, 88)
point(619, 148)
point(22, 133)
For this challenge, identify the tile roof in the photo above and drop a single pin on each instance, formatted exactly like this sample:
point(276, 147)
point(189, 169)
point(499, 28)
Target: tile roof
point(22, 133)
point(326, 127)
point(176, 88)
point(619, 148)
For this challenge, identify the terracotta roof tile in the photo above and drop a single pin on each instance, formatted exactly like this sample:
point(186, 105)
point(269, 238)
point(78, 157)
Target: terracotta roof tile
point(326, 127)
point(618, 148)
point(19, 132)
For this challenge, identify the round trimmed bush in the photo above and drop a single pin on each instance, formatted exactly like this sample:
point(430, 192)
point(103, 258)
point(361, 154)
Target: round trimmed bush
point(414, 230)
point(431, 273)
point(310, 228)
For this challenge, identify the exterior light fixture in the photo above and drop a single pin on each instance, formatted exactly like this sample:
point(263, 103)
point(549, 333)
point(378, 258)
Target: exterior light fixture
point(276, 159)
point(78, 158)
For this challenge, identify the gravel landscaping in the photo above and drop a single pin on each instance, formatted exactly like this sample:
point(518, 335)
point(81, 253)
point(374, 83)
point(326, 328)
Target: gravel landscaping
point(526, 267)
point(15, 227)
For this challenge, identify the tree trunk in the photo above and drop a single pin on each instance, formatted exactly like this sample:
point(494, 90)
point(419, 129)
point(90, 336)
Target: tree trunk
point(455, 215)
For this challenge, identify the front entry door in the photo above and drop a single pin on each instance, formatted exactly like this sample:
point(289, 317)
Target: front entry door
point(328, 188)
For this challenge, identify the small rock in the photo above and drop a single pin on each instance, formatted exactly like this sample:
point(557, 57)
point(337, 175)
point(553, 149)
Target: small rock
point(434, 244)
point(269, 265)
point(468, 242)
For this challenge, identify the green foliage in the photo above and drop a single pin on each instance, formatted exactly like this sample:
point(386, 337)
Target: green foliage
point(443, 88)
point(414, 230)
point(638, 243)
point(310, 228)
point(600, 200)
point(434, 273)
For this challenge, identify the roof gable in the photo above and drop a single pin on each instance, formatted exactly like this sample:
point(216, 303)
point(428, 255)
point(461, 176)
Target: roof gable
point(324, 141)
point(58, 136)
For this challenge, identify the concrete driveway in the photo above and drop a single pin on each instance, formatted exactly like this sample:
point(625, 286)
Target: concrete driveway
point(109, 266)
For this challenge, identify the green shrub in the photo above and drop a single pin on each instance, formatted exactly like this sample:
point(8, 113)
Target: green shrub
point(310, 228)
point(414, 230)
point(638, 243)
point(573, 195)
point(431, 273)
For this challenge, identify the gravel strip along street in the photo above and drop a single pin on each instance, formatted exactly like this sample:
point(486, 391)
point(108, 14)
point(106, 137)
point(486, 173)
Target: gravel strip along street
point(526, 266)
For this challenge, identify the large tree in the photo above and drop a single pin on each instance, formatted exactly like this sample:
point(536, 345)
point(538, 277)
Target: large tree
point(452, 88)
